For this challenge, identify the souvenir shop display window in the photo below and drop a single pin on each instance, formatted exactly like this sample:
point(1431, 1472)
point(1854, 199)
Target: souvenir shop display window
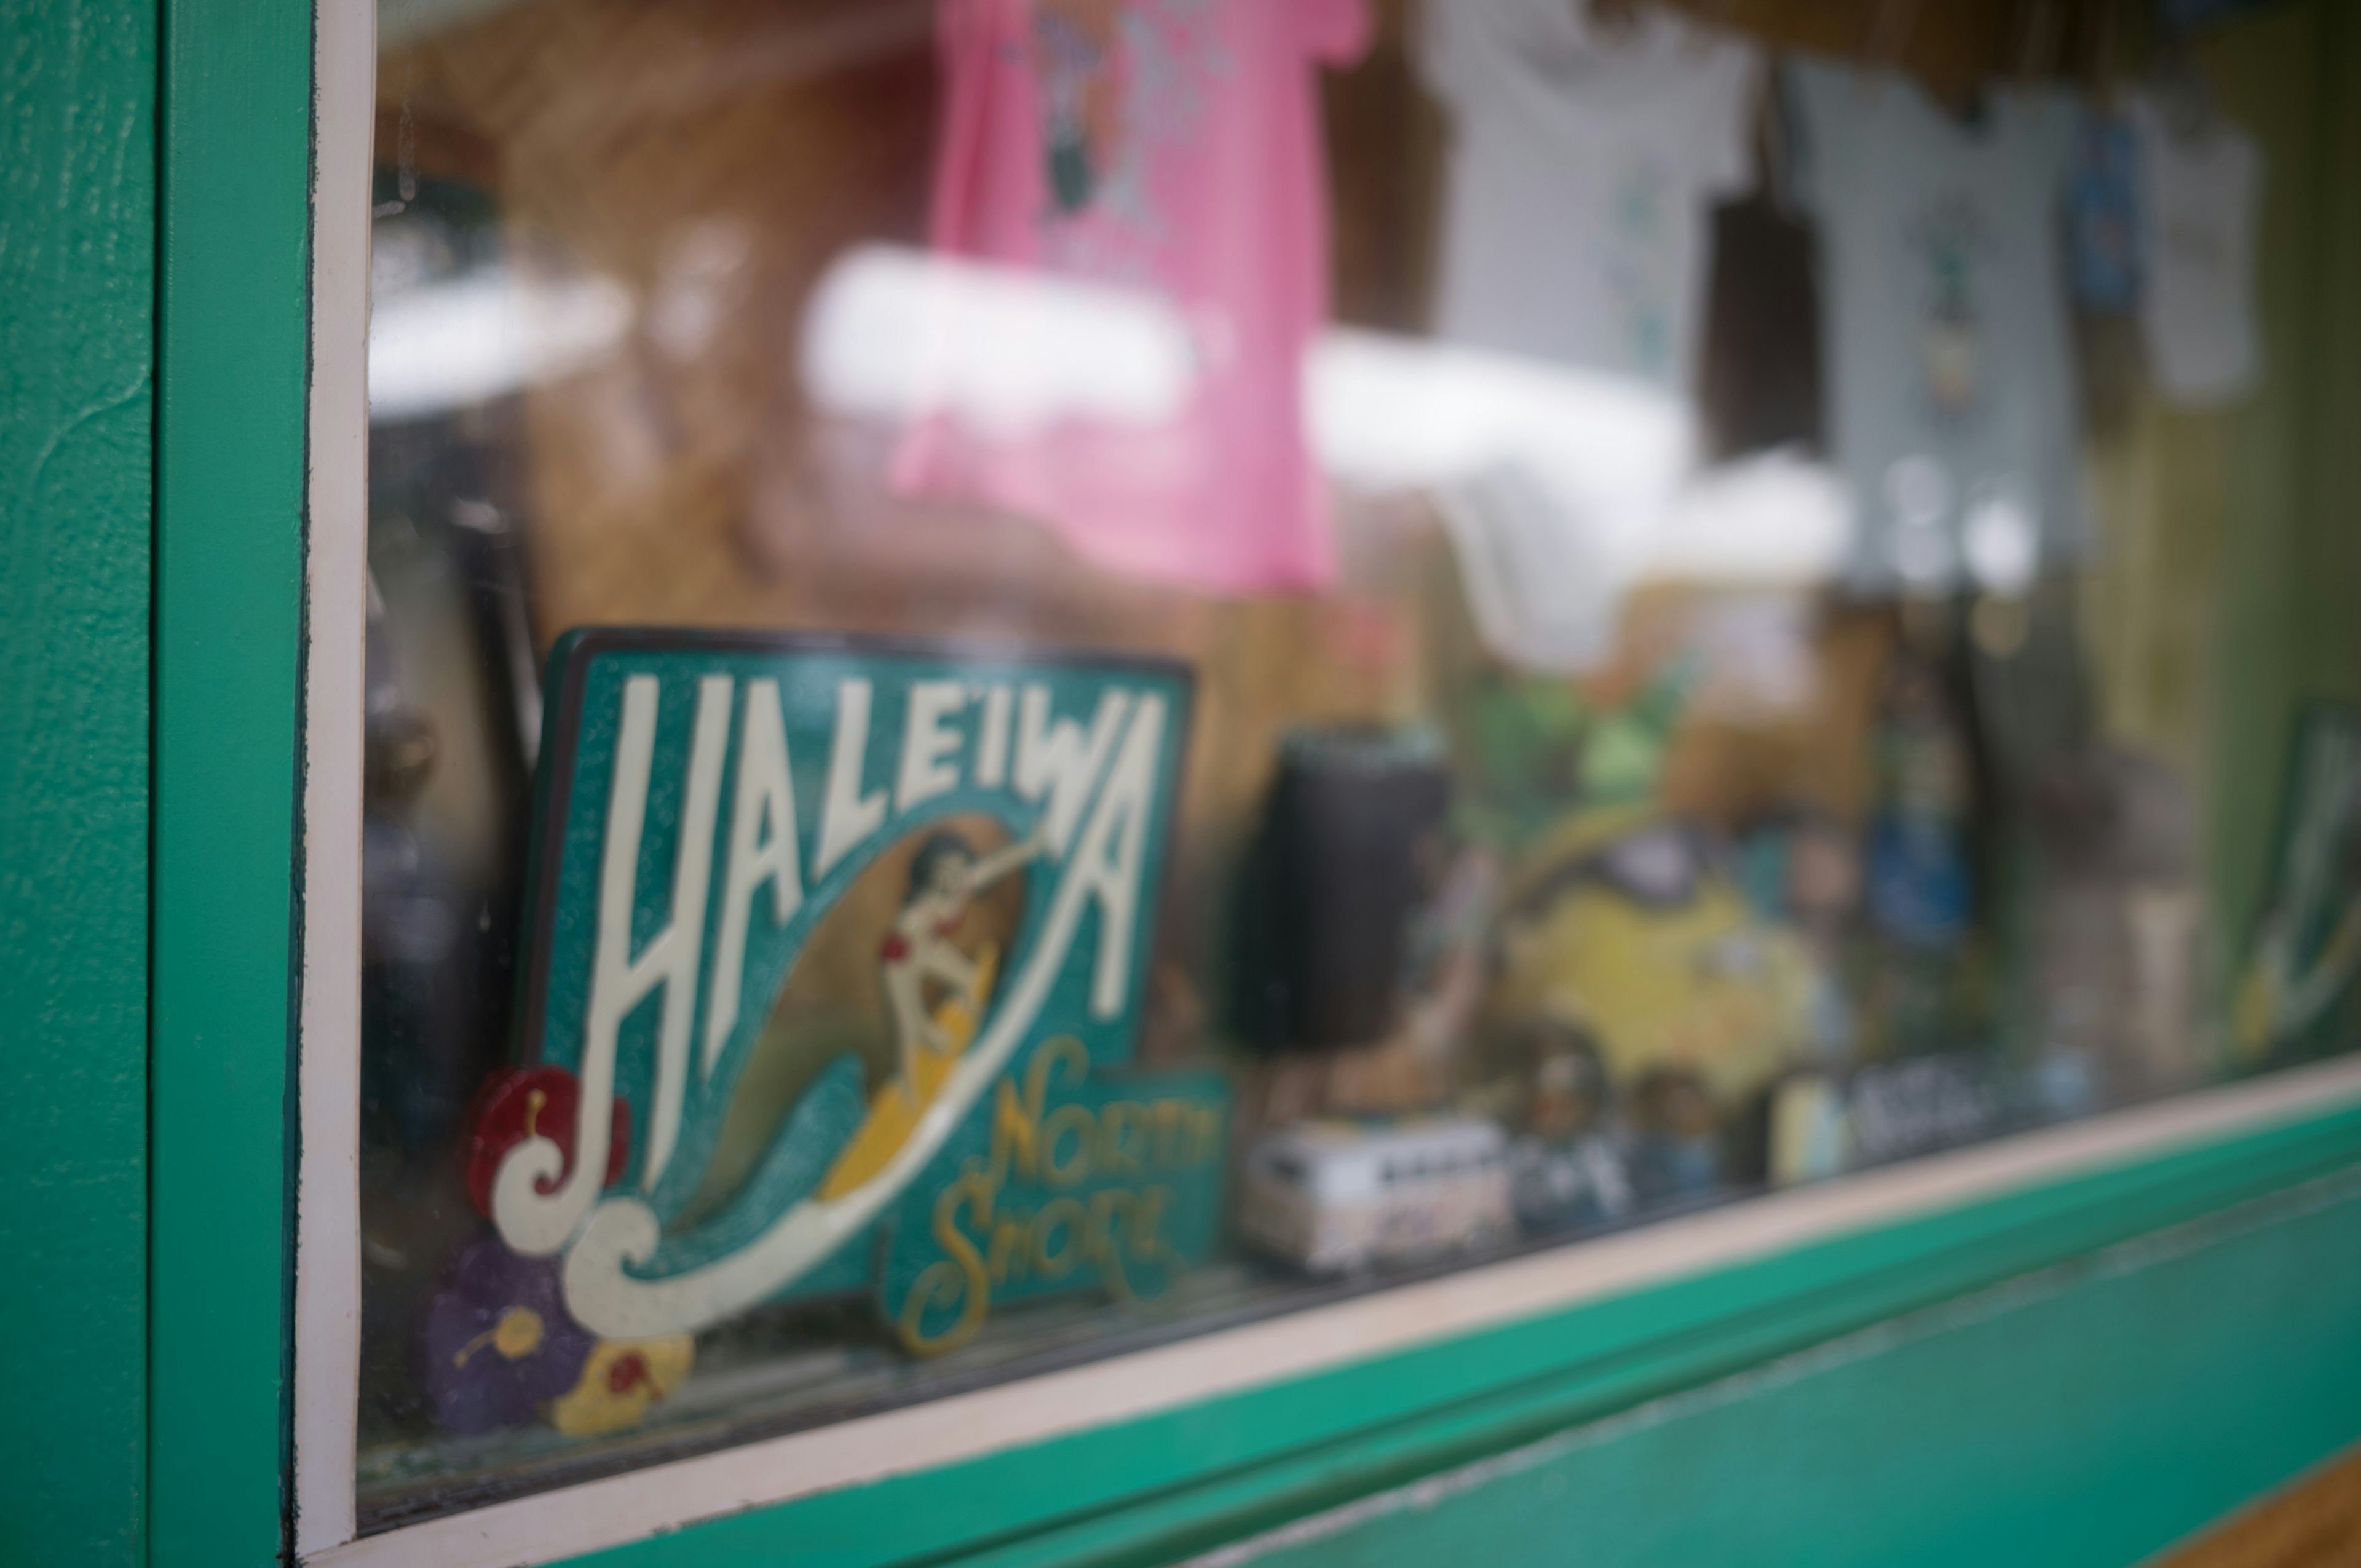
point(1043, 675)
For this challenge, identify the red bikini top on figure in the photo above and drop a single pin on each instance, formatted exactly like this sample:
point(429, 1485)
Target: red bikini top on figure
point(897, 947)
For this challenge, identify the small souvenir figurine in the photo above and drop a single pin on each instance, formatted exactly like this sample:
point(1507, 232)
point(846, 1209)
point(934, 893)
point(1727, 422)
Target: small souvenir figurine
point(1566, 1170)
point(1335, 1197)
point(1802, 869)
point(1677, 1153)
point(1623, 925)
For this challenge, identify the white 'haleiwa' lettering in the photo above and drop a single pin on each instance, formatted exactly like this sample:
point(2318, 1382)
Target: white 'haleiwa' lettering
point(761, 850)
point(927, 739)
point(1058, 761)
point(848, 815)
point(538, 1224)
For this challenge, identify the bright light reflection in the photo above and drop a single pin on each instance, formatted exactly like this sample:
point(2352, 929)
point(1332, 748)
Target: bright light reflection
point(1403, 414)
point(1778, 518)
point(1560, 488)
point(438, 347)
point(895, 334)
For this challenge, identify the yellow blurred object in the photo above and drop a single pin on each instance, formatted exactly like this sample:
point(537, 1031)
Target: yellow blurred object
point(892, 1112)
point(2254, 1014)
point(1622, 927)
point(620, 1381)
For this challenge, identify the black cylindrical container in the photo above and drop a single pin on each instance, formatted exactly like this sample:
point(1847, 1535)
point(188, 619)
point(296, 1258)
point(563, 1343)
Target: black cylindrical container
point(1333, 884)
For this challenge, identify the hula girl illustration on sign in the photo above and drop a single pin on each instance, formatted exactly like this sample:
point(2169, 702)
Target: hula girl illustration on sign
point(719, 817)
point(945, 877)
point(936, 992)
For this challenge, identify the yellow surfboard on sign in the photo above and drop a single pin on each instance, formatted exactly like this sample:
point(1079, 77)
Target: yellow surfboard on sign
point(893, 1113)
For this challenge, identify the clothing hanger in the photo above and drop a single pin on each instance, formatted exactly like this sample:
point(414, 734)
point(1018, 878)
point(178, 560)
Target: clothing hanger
point(1889, 35)
point(1617, 18)
point(2037, 44)
point(2106, 35)
point(1713, 27)
point(1622, 18)
point(2180, 92)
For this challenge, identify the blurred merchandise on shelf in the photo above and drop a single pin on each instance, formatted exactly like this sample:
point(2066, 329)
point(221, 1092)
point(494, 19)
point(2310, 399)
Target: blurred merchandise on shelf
point(2298, 971)
point(1336, 1197)
point(1625, 931)
point(1327, 905)
point(1568, 1166)
point(1918, 881)
point(2114, 934)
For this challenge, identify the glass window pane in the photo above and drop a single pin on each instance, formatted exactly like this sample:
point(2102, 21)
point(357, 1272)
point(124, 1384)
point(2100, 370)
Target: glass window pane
point(1047, 674)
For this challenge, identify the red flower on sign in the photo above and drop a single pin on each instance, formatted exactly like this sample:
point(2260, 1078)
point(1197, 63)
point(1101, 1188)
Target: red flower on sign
point(529, 1101)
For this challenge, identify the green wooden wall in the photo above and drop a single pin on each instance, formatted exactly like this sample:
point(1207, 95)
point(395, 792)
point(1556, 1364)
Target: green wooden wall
point(77, 284)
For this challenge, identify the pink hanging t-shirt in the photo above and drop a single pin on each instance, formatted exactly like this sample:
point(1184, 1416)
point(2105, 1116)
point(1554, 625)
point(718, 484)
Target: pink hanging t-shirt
point(1169, 148)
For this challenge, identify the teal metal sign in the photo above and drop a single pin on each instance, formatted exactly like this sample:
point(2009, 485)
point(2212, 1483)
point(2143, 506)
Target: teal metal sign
point(835, 981)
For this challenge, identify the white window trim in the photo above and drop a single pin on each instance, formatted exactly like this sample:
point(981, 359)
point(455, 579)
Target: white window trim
point(566, 1522)
point(327, 1198)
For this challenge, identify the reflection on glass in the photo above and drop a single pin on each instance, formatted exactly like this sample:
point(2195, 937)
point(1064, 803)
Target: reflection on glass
point(1690, 646)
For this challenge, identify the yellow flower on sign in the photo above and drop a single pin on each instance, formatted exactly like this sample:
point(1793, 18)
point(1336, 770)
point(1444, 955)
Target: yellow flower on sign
point(620, 1381)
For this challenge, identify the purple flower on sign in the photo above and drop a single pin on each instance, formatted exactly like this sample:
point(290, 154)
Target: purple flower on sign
point(498, 1340)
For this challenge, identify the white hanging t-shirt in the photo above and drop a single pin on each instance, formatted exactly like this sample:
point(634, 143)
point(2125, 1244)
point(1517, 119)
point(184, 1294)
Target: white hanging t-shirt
point(1585, 164)
point(1953, 405)
point(2201, 190)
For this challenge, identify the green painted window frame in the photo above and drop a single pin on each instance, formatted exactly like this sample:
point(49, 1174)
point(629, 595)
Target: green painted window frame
point(232, 366)
point(232, 301)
